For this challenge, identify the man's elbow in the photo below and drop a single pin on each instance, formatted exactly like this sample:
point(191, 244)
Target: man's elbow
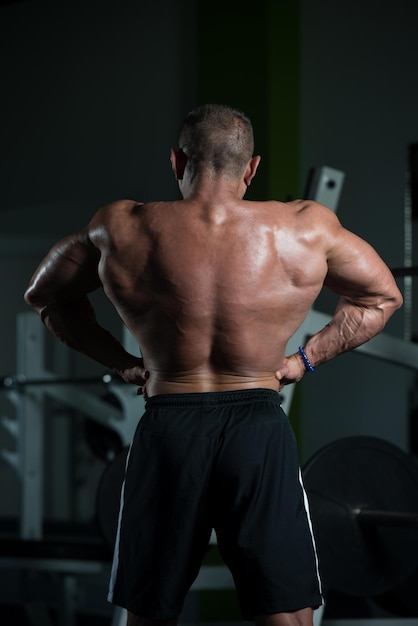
point(393, 304)
point(34, 299)
point(30, 298)
point(397, 300)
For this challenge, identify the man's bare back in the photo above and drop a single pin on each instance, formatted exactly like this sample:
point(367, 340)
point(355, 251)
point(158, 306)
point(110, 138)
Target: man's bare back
point(213, 288)
point(206, 289)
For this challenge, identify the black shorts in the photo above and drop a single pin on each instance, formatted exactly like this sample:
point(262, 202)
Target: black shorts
point(226, 461)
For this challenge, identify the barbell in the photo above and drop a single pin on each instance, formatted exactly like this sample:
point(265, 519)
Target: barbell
point(18, 382)
point(104, 441)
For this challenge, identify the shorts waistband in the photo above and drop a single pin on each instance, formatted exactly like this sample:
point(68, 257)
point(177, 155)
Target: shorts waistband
point(216, 398)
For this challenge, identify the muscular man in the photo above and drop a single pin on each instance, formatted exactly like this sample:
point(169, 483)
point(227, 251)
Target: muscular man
point(212, 287)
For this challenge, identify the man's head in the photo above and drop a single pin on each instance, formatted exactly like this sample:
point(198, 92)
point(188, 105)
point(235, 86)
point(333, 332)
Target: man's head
point(216, 139)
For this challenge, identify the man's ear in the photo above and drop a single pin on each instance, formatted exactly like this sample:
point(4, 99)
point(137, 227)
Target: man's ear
point(251, 169)
point(178, 163)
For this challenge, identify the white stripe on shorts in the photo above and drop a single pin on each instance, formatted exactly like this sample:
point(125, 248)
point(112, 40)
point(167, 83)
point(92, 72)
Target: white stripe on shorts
point(306, 503)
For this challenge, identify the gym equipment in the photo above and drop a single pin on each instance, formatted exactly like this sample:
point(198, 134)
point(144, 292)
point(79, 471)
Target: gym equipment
point(110, 410)
point(363, 495)
point(325, 185)
point(28, 390)
point(105, 441)
point(69, 562)
point(19, 382)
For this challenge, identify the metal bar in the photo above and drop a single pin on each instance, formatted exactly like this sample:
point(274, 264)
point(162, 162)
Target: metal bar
point(17, 382)
point(396, 519)
point(65, 566)
point(85, 402)
point(392, 350)
point(68, 604)
point(30, 416)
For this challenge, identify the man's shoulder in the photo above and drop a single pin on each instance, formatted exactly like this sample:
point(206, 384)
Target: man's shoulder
point(135, 207)
point(299, 209)
point(114, 211)
point(304, 205)
point(118, 220)
point(124, 205)
point(314, 213)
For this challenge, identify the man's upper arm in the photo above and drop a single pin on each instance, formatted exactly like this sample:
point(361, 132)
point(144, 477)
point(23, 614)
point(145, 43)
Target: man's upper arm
point(357, 272)
point(67, 273)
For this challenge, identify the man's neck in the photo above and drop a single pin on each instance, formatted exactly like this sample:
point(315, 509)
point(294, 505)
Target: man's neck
point(207, 186)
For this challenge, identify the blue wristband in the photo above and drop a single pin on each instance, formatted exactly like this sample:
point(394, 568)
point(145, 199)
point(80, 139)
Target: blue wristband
point(308, 365)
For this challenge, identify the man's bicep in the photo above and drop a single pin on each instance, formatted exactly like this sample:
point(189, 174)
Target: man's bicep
point(69, 271)
point(355, 270)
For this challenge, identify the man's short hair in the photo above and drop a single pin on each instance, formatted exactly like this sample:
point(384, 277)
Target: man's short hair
point(218, 138)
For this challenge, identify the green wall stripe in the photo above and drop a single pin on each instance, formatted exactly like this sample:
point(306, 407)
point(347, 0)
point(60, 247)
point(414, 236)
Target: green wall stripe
point(248, 57)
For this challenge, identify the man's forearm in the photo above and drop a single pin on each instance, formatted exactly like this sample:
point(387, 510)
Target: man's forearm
point(75, 325)
point(351, 326)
